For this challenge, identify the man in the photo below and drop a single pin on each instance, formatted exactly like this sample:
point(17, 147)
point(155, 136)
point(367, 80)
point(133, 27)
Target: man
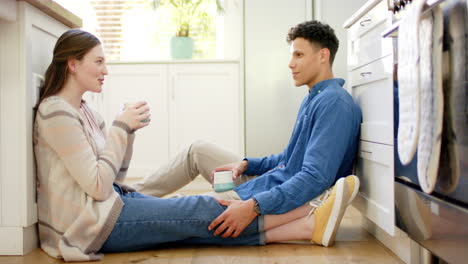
point(321, 149)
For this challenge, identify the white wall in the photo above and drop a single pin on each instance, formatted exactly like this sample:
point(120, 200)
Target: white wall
point(8, 10)
point(328, 12)
point(229, 36)
point(271, 99)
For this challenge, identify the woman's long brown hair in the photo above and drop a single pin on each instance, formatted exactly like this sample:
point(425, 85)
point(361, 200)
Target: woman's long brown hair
point(73, 44)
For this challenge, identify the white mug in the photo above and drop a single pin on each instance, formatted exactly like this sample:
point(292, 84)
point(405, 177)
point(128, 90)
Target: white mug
point(124, 106)
point(223, 181)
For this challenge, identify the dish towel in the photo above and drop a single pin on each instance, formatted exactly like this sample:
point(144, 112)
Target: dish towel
point(408, 81)
point(432, 101)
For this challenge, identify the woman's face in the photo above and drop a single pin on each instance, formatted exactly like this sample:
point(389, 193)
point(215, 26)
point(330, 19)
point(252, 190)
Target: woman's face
point(91, 69)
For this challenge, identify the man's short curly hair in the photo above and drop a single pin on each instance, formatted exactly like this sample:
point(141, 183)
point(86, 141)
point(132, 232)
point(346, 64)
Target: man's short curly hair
point(318, 33)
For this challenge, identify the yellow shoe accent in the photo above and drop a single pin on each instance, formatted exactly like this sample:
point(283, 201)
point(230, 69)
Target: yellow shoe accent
point(329, 213)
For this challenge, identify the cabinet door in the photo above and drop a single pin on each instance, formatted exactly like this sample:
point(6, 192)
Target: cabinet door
point(376, 195)
point(205, 103)
point(135, 82)
point(372, 88)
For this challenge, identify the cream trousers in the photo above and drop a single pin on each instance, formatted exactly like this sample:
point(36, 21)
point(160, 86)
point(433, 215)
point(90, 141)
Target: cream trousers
point(200, 158)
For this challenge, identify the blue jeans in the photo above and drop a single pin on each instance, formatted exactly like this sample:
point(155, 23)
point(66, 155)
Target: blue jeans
point(147, 221)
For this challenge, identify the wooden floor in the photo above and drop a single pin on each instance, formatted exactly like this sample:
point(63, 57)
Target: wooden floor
point(353, 245)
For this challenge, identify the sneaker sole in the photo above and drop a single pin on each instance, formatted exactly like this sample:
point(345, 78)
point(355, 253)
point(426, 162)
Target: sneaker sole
point(337, 213)
point(356, 188)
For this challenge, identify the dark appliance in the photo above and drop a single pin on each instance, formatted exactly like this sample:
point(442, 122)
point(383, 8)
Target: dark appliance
point(438, 221)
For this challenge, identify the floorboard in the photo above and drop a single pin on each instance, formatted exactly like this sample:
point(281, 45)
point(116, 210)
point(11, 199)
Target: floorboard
point(353, 245)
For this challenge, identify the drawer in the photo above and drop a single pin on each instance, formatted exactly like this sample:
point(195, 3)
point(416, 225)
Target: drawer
point(372, 89)
point(370, 47)
point(376, 195)
point(365, 43)
point(378, 15)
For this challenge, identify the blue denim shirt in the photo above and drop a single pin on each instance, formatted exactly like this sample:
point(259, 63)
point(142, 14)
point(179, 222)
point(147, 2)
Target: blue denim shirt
point(321, 150)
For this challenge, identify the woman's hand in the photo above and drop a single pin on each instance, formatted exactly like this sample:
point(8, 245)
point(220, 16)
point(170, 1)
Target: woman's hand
point(135, 115)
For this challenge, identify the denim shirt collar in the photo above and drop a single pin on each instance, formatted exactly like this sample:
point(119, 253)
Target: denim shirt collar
point(320, 86)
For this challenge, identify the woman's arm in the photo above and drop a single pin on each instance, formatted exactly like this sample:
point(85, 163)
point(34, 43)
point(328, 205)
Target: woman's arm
point(62, 129)
point(128, 152)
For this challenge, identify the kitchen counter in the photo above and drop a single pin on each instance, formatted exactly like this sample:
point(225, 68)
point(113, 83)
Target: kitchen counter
point(361, 12)
point(56, 11)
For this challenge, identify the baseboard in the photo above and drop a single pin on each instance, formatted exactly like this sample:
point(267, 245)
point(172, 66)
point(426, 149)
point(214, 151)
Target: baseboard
point(19, 240)
point(400, 244)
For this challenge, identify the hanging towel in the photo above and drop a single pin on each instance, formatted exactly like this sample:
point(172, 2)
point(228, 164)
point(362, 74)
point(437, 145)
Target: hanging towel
point(408, 81)
point(432, 103)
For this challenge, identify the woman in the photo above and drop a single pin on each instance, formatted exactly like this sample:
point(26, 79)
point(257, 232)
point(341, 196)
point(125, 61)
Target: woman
point(83, 208)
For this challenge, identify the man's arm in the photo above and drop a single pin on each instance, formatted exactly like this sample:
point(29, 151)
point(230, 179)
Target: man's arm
point(250, 166)
point(258, 166)
point(333, 130)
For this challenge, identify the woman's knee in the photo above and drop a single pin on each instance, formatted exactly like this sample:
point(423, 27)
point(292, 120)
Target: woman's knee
point(201, 146)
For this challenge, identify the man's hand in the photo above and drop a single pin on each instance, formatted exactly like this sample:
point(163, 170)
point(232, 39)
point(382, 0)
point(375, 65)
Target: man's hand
point(237, 169)
point(234, 219)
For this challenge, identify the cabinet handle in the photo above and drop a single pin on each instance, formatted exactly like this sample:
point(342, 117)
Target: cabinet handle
point(364, 22)
point(366, 151)
point(364, 74)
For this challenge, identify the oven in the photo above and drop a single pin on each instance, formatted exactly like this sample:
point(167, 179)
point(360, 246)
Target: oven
point(437, 217)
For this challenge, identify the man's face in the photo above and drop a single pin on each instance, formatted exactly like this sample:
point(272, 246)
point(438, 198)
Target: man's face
point(306, 62)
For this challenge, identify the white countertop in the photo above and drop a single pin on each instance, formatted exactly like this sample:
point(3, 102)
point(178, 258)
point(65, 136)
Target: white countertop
point(56, 11)
point(361, 12)
point(188, 61)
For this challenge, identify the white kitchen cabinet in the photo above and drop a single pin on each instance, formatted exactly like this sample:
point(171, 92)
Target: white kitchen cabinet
point(372, 88)
point(136, 82)
point(205, 103)
point(375, 170)
point(370, 77)
point(365, 43)
point(26, 48)
point(188, 100)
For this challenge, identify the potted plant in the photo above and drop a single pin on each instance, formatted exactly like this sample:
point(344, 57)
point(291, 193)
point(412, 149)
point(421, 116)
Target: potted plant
point(186, 13)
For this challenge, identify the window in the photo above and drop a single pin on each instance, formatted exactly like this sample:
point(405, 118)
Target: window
point(132, 30)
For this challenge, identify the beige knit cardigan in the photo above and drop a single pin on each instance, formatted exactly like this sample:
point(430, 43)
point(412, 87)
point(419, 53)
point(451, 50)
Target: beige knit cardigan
point(77, 205)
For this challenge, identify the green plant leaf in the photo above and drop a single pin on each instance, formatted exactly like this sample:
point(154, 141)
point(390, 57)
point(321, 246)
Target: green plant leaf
point(189, 12)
